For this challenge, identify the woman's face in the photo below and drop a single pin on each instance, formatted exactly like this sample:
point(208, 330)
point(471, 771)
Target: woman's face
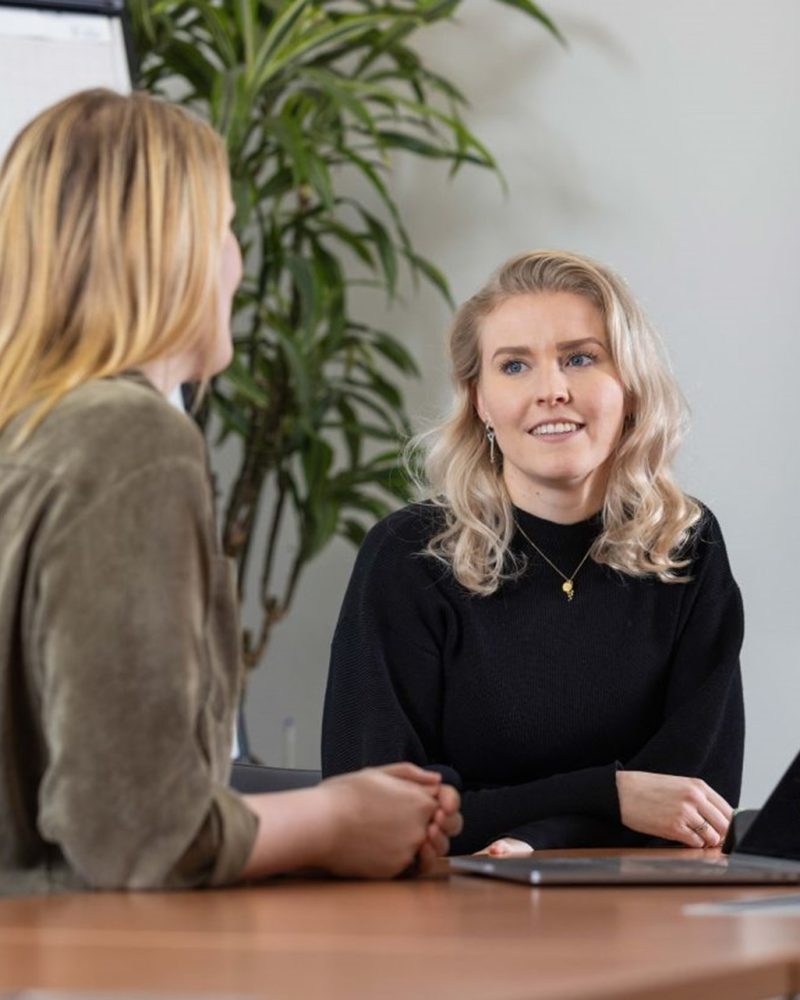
point(220, 345)
point(549, 387)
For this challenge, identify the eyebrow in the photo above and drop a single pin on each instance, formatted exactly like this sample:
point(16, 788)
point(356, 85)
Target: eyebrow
point(562, 345)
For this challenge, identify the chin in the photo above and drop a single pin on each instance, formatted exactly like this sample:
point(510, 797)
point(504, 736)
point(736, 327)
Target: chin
point(218, 361)
point(563, 476)
point(223, 364)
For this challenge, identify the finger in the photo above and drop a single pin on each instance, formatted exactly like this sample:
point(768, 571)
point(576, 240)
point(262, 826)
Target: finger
point(450, 825)
point(720, 804)
point(689, 838)
point(719, 821)
point(510, 847)
point(711, 824)
point(449, 799)
point(707, 834)
point(410, 772)
point(438, 841)
point(704, 834)
point(500, 848)
point(427, 856)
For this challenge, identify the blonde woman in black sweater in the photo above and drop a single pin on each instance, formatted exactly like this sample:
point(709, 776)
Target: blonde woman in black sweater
point(558, 622)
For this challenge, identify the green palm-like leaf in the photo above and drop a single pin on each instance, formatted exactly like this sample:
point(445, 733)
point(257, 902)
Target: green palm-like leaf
point(315, 100)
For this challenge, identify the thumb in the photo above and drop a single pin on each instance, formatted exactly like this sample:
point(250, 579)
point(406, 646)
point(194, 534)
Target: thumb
point(410, 772)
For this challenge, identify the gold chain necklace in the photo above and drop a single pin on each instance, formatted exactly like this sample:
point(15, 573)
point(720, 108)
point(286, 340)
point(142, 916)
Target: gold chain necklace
point(568, 586)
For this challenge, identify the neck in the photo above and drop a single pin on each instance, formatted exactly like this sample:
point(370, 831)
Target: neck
point(166, 374)
point(561, 503)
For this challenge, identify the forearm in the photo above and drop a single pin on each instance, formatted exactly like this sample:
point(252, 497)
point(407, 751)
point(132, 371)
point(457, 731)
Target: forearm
point(702, 733)
point(492, 812)
point(577, 831)
point(704, 738)
point(294, 831)
point(369, 824)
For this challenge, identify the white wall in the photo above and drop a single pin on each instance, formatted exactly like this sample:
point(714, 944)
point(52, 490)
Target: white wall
point(665, 141)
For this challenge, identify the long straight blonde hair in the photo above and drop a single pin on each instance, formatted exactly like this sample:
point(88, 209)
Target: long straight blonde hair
point(646, 517)
point(112, 215)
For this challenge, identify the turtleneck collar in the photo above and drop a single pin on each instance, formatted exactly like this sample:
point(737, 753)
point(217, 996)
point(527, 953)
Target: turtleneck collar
point(557, 541)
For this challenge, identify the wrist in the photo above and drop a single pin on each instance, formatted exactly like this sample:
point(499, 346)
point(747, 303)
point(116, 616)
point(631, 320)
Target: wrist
point(297, 829)
point(327, 823)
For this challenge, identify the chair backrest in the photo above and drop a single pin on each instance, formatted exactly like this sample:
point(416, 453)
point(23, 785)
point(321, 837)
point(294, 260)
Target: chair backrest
point(253, 778)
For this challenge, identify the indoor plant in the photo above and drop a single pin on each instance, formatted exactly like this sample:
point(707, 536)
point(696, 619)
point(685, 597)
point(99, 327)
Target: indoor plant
point(309, 94)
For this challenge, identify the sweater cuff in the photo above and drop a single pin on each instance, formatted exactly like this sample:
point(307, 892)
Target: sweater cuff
point(608, 796)
point(559, 832)
point(593, 792)
point(220, 848)
point(595, 823)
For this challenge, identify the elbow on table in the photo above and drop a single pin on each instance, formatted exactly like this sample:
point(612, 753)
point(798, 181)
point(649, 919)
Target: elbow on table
point(111, 860)
point(107, 869)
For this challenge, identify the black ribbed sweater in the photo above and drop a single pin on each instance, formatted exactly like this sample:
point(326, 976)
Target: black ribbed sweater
point(534, 700)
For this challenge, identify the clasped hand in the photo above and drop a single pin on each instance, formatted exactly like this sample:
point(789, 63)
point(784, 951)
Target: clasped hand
point(388, 817)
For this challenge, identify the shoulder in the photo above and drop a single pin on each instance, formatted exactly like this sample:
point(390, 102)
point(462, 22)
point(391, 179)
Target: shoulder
point(108, 446)
point(704, 533)
point(410, 527)
point(109, 429)
point(127, 412)
point(705, 547)
point(395, 546)
point(395, 582)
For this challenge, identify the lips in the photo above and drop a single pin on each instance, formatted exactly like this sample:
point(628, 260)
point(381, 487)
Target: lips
point(556, 427)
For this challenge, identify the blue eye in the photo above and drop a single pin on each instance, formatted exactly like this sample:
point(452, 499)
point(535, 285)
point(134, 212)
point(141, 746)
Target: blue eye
point(512, 367)
point(582, 360)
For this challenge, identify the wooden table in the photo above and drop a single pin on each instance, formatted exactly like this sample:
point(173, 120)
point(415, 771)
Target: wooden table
point(435, 938)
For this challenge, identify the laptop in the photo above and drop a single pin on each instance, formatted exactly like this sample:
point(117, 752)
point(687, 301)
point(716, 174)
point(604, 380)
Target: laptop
point(767, 854)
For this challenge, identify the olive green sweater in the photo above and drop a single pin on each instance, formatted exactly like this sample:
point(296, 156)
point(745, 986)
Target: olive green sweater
point(119, 653)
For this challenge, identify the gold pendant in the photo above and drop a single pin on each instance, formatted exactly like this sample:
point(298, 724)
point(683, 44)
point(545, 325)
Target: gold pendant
point(569, 589)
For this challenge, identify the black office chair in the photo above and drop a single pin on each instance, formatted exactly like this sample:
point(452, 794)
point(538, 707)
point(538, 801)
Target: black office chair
point(251, 778)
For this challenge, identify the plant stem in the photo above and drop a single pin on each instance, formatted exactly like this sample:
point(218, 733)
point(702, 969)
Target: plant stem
point(272, 541)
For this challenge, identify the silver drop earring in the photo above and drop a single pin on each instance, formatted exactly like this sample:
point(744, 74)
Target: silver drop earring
point(490, 439)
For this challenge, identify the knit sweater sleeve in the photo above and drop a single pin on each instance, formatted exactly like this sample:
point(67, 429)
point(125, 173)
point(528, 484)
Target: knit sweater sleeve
point(703, 730)
point(702, 733)
point(384, 698)
point(384, 693)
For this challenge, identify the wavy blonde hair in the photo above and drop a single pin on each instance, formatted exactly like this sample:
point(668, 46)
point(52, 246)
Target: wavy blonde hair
point(646, 517)
point(112, 215)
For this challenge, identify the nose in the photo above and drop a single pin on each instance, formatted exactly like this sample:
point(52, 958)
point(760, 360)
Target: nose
point(552, 386)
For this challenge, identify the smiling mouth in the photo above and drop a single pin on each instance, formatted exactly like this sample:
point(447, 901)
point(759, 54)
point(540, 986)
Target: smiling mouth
point(559, 427)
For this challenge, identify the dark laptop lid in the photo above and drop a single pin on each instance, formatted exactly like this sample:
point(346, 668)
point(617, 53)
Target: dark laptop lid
point(775, 832)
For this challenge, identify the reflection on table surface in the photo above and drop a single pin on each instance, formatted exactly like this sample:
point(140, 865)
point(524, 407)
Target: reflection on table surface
point(439, 937)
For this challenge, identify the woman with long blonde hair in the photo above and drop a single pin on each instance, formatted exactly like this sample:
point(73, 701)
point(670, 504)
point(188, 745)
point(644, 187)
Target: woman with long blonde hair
point(557, 621)
point(119, 657)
